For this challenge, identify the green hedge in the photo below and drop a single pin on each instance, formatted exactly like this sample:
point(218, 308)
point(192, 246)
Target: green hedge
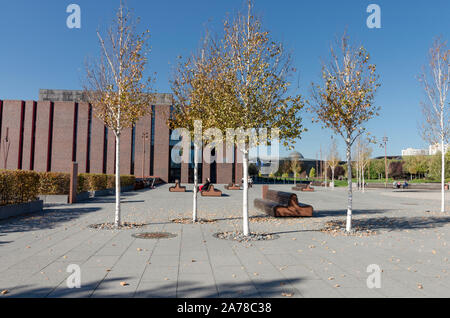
point(18, 186)
point(54, 183)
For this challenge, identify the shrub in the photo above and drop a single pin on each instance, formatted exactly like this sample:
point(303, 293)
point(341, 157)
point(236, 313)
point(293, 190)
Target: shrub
point(127, 180)
point(18, 186)
point(312, 173)
point(53, 183)
point(96, 182)
point(92, 182)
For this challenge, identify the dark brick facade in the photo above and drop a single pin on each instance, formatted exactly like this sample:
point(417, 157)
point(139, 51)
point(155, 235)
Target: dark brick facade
point(49, 134)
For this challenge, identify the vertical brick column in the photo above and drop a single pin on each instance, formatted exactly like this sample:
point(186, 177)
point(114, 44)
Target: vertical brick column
point(143, 126)
point(73, 183)
point(97, 145)
point(238, 166)
point(224, 169)
point(28, 135)
point(63, 133)
point(11, 151)
point(42, 136)
point(82, 141)
point(184, 172)
point(206, 170)
point(125, 151)
point(111, 155)
point(161, 154)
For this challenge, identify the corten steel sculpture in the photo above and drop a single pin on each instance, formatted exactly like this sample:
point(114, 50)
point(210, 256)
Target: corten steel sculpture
point(211, 192)
point(282, 204)
point(177, 187)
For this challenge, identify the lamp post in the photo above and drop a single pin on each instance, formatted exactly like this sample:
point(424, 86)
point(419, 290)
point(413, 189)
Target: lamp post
point(145, 136)
point(385, 140)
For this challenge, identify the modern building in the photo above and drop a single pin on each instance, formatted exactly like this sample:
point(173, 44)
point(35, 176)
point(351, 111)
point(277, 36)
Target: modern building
point(60, 128)
point(434, 149)
point(414, 152)
point(306, 164)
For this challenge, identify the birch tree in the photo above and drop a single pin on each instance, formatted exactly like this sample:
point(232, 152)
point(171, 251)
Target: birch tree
point(333, 159)
point(435, 79)
point(115, 84)
point(195, 87)
point(257, 70)
point(295, 165)
point(343, 101)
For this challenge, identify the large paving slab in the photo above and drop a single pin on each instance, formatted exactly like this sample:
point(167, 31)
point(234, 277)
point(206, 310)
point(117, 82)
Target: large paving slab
point(410, 245)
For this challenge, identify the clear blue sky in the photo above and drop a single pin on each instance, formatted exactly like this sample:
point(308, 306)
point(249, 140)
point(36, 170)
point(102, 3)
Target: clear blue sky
point(39, 51)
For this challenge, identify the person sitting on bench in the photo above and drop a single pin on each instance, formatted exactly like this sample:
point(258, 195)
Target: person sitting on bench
point(205, 186)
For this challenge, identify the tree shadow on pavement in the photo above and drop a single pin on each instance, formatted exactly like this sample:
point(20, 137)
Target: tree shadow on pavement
point(48, 219)
point(182, 289)
point(327, 213)
point(402, 223)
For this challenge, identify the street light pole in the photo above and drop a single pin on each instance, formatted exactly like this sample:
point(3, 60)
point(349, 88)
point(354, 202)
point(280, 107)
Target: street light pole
point(144, 138)
point(385, 140)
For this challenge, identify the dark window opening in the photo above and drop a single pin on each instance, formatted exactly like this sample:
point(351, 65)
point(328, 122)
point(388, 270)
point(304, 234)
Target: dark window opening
point(50, 138)
point(88, 147)
point(213, 167)
point(152, 141)
point(105, 148)
point(75, 133)
point(22, 119)
point(33, 136)
point(233, 170)
point(133, 148)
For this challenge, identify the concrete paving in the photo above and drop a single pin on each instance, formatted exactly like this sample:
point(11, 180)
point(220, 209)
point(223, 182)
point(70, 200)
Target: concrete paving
point(410, 246)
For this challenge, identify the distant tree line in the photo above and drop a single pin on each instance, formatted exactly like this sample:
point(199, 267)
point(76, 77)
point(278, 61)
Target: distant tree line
point(410, 167)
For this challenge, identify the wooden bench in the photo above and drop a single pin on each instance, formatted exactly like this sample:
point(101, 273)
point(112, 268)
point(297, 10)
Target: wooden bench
point(282, 204)
point(231, 186)
point(305, 187)
point(211, 192)
point(177, 187)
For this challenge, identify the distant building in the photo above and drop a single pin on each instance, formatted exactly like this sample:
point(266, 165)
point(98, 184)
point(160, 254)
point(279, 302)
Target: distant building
point(271, 168)
point(414, 152)
point(434, 149)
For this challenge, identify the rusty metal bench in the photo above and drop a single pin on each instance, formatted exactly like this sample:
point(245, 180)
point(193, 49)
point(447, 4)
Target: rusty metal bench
point(211, 192)
point(282, 204)
point(177, 187)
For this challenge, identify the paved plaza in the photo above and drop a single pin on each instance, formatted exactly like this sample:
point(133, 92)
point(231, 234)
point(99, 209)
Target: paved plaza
point(410, 244)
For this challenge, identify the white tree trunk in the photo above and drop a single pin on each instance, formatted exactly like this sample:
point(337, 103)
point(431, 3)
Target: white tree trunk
point(332, 177)
point(245, 222)
point(194, 208)
point(117, 221)
point(363, 181)
point(442, 176)
point(350, 193)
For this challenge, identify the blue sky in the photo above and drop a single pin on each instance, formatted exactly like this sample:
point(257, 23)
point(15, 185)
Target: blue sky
point(39, 51)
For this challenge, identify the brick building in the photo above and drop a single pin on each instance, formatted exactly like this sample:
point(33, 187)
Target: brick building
point(49, 134)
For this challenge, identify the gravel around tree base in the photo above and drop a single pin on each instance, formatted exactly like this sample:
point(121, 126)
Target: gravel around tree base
point(240, 237)
point(111, 226)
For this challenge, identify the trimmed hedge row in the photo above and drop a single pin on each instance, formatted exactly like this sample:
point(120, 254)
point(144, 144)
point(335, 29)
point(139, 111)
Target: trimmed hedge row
point(18, 186)
point(96, 182)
